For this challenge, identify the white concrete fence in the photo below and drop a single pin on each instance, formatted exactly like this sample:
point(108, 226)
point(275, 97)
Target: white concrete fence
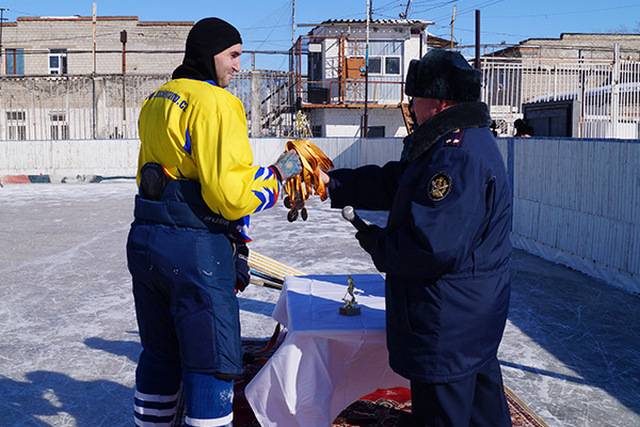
point(119, 157)
point(576, 202)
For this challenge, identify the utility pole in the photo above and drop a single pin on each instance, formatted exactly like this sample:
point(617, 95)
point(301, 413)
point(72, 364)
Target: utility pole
point(254, 112)
point(123, 40)
point(94, 19)
point(2, 10)
point(256, 121)
point(477, 60)
point(453, 20)
point(615, 91)
point(292, 92)
point(94, 123)
point(293, 22)
point(365, 118)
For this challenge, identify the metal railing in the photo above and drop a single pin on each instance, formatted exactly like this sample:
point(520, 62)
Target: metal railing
point(605, 97)
point(352, 91)
point(604, 94)
point(73, 107)
point(107, 106)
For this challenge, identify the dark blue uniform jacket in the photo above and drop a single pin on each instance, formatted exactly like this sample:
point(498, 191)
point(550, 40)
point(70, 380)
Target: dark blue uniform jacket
point(445, 249)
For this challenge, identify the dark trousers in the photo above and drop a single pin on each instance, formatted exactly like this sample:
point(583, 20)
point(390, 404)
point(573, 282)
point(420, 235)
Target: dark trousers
point(188, 318)
point(477, 400)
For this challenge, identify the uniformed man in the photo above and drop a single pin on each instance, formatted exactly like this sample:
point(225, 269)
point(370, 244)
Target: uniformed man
point(198, 186)
point(445, 249)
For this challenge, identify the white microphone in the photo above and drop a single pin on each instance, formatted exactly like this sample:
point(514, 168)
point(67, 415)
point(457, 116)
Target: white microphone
point(350, 215)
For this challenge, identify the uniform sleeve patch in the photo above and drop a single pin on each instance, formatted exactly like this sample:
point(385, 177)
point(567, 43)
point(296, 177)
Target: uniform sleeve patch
point(439, 186)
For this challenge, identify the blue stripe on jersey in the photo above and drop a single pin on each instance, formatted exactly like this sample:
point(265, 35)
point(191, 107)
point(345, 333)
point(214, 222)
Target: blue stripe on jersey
point(272, 198)
point(264, 173)
point(187, 144)
point(262, 198)
point(259, 173)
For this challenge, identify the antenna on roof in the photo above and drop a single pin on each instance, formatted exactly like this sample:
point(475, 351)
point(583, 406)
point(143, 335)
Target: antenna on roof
point(405, 14)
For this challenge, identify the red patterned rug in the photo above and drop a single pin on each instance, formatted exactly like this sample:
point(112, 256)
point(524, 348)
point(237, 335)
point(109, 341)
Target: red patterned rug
point(382, 408)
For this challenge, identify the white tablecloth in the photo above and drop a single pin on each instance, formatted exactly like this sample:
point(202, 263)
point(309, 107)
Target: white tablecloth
point(326, 361)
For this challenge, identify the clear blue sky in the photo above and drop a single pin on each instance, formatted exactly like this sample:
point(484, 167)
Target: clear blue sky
point(266, 24)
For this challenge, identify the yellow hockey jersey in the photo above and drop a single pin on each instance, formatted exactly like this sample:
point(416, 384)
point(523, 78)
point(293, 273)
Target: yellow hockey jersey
point(198, 131)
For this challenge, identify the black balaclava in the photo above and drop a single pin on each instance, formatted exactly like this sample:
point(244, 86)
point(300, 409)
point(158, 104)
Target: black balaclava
point(208, 37)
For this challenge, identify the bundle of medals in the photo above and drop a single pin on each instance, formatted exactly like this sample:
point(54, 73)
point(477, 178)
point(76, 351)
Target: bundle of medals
point(301, 186)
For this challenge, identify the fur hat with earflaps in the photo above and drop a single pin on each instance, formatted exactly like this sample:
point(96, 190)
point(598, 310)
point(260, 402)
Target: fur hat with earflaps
point(443, 74)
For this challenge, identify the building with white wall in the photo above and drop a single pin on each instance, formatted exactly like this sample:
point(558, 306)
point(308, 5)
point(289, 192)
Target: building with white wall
point(334, 93)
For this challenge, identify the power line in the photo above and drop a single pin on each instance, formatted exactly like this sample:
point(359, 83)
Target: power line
point(39, 51)
point(438, 6)
point(443, 26)
point(25, 13)
point(425, 2)
point(278, 11)
point(264, 28)
point(392, 4)
point(463, 11)
point(575, 12)
point(84, 36)
point(387, 7)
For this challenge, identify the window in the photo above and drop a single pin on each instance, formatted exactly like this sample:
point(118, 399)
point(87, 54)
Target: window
point(16, 115)
point(375, 132)
point(315, 66)
point(16, 126)
point(316, 131)
point(58, 126)
point(375, 65)
point(58, 61)
point(16, 133)
point(14, 61)
point(392, 65)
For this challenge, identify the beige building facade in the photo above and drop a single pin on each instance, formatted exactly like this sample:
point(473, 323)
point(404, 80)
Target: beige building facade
point(55, 87)
point(65, 45)
point(587, 46)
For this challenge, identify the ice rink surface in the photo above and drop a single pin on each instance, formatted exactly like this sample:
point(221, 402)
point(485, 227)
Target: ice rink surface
point(68, 336)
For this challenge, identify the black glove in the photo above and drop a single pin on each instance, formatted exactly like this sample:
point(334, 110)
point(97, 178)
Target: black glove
point(369, 237)
point(242, 266)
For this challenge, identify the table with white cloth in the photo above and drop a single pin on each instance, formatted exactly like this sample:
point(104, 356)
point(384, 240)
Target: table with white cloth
point(327, 360)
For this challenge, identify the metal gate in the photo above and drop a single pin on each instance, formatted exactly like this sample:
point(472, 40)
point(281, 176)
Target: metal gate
point(605, 94)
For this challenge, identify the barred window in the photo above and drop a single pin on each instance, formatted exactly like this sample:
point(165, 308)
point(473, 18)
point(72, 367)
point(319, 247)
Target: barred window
point(16, 115)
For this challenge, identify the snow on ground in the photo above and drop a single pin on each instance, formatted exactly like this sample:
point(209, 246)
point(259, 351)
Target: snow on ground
point(68, 337)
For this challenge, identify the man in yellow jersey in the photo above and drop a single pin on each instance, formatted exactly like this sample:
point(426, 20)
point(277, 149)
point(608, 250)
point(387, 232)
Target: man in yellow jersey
point(198, 186)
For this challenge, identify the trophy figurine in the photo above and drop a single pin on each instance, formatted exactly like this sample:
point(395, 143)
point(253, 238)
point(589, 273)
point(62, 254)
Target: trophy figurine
point(350, 307)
